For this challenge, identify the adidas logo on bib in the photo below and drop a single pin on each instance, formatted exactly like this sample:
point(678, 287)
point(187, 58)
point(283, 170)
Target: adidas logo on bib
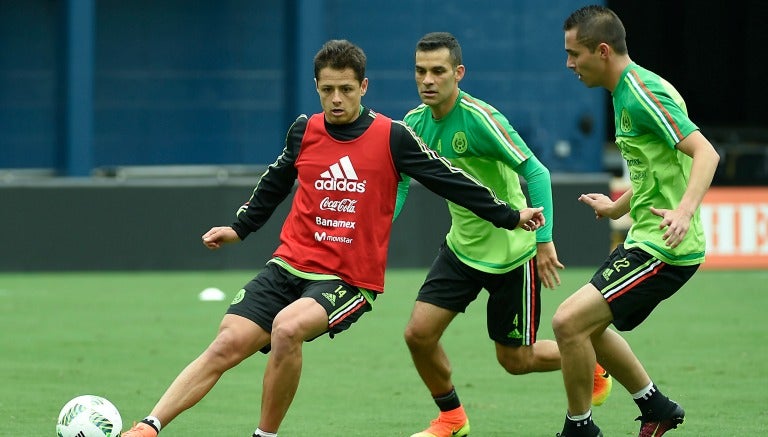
point(340, 176)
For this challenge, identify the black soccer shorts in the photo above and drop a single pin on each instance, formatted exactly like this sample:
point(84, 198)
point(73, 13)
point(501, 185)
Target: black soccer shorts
point(514, 298)
point(634, 282)
point(274, 288)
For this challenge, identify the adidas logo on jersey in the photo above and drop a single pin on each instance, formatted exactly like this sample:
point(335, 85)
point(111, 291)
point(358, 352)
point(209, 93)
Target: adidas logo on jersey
point(340, 177)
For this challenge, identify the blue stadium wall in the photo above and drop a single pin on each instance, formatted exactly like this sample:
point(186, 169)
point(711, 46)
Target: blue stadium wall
point(91, 84)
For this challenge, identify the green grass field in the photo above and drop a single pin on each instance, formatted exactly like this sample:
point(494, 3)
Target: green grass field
point(126, 335)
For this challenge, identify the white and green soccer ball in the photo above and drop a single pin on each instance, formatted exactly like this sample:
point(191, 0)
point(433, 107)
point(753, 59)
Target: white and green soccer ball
point(89, 416)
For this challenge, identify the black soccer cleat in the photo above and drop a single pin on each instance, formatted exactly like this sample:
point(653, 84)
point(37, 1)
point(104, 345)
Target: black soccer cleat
point(657, 426)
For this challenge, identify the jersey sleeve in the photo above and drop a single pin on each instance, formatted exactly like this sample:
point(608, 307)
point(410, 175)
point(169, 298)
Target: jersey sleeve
point(404, 186)
point(495, 136)
point(539, 184)
point(274, 185)
point(413, 158)
point(659, 109)
point(402, 193)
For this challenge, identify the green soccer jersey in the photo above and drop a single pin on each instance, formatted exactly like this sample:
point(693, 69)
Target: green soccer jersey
point(651, 118)
point(478, 139)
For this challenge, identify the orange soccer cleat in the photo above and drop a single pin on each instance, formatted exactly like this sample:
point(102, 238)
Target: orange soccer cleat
point(452, 423)
point(140, 429)
point(602, 385)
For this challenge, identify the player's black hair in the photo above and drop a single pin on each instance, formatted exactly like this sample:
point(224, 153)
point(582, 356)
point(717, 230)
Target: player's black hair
point(437, 40)
point(341, 54)
point(596, 24)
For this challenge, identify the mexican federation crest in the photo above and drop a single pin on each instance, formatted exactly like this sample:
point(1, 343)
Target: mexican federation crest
point(459, 142)
point(625, 122)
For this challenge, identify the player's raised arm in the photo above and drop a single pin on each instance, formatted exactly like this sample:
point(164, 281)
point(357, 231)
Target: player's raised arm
point(436, 173)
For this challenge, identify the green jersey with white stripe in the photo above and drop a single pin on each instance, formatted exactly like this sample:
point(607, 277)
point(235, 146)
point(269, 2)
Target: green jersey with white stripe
point(651, 118)
point(475, 137)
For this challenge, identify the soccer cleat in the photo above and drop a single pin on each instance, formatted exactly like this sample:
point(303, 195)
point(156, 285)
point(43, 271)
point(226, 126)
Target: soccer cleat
point(599, 434)
point(602, 385)
point(443, 428)
point(140, 429)
point(656, 427)
point(581, 428)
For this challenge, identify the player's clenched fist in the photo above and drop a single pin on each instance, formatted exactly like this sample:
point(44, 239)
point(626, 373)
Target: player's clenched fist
point(531, 218)
point(219, 235)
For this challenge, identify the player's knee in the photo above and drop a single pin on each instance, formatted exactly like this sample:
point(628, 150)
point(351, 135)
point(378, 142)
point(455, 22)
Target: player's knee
point(563, 326)
point(285, 332)
point(416, 338)
point(559, 325)
point(515, 367)
point(410, 336)
point(224, 352)
point(514, 361)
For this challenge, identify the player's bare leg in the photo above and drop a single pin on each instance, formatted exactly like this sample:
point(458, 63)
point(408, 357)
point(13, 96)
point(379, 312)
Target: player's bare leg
point(422, 335)
point(580, 317)
point(237, 339)
point(615, 354)
point(658, 413)
point(542, 356)
point(302, 320)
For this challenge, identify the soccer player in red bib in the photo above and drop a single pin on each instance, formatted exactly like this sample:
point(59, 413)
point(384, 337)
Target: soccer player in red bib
point(329, 267)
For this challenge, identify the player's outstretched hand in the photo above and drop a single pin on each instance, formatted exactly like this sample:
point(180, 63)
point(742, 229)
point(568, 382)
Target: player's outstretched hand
point(219, 235)
point(531, 218)
point(601, 203)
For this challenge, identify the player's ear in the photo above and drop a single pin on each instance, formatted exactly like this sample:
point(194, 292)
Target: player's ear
point(460, 70)
point(603, 49)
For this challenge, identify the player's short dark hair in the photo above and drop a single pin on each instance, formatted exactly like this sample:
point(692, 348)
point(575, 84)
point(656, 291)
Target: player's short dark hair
point(596, 24)
point(437, 40)
point(341, 54)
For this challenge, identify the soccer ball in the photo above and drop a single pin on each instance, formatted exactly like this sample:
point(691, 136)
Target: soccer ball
point(89, 416)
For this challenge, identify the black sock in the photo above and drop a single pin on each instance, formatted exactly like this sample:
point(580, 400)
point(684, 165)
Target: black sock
point(654, 405)
point(151, 423)
point(448, 401)
point(582, 427)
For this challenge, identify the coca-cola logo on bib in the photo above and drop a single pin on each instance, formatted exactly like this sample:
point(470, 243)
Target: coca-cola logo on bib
point(341, 205)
